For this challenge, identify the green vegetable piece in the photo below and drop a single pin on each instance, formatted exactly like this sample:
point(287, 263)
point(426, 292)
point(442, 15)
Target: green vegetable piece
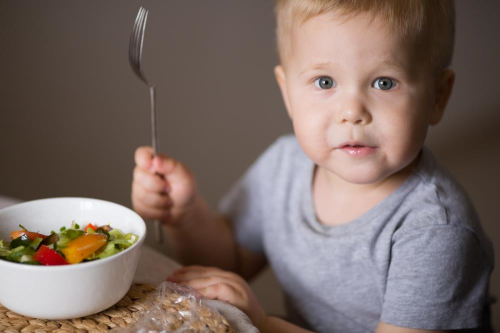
point(62, 229)
point(16, 256)
point(116, 234)
point(22, 240)
point(26, 257)
point(74, 225)
point(108, 251)
point(20, 226)
point(35, 243)
point(4, 252)
point(30, 262)
point(104, 232)
point(122, 242)
point(19, 248)
point(72, 234)
point(131, 238)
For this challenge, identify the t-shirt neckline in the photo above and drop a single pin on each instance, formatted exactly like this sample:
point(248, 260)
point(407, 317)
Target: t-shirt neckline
point(356, 225)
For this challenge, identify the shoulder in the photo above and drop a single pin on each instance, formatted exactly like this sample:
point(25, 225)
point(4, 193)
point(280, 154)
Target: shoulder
point(283, 156)
point(439, 202)
point(273, 169)
point(437, 198)
point(286, 146)
point(438, 277)
point(440, 258)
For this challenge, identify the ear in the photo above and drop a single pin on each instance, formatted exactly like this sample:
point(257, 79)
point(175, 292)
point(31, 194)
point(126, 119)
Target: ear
point(279, 73)
point(443, 92)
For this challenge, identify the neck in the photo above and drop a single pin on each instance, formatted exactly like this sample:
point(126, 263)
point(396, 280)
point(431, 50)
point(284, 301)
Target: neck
point(337, 201)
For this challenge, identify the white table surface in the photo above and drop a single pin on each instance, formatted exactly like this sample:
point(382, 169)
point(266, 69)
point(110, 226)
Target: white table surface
point(153, 266)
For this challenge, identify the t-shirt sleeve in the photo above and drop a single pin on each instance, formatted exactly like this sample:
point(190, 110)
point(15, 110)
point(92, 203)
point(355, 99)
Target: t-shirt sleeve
point(438, 279)
point(244, 204)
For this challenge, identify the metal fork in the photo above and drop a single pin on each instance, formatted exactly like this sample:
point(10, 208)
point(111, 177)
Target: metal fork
point(135, 57)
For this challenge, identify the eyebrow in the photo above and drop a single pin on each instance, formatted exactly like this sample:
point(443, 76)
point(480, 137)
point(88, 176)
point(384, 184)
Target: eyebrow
point(393, 64)
point(316, 66)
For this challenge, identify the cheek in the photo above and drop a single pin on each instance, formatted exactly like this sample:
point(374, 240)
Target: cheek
point(406, 132)
point(311, 123)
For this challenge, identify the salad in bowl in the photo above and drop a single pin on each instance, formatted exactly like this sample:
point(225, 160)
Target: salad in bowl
point(79, 254)
point(71, 245)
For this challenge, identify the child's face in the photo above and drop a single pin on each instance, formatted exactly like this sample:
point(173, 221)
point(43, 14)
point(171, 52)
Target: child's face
point(360, 101)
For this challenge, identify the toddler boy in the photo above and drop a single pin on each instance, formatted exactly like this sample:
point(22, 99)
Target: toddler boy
point(363, 228)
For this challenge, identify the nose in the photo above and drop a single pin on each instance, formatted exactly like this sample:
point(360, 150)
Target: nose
point(353, 111)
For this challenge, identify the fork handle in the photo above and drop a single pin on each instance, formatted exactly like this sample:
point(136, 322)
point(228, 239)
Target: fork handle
point(158, 231)
point(154, 120)
point(156, 148)
point(157, 225)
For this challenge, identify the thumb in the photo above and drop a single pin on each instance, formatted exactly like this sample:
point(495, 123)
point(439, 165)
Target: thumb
point(167, 166)
point(143, 157)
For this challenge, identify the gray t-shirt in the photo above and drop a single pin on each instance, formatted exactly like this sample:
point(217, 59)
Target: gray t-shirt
point(417, 259)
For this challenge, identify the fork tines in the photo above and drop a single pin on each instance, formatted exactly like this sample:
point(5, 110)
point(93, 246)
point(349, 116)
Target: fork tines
point(136, 42)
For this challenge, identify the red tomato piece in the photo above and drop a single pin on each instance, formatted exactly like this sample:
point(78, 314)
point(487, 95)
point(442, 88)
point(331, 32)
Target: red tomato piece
point(91, 226)
point(31, 235)
point(49, 257)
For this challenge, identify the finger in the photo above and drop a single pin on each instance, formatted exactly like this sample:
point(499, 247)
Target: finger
point(195, 272)
point(205, 281)
point(148, 198)
point(151, 213)
point(150, 181)
point(192, 271)
point(169, 167)
point(222, 291)
point(143, 157)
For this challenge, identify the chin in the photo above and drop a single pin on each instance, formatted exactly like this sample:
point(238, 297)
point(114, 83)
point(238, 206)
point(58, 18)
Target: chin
point(362, 177)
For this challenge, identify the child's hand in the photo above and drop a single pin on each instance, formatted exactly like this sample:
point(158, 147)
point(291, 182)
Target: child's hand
point(162, 188)
point(214, 283)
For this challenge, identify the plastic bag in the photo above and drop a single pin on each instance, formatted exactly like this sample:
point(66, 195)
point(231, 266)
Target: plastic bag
point(177, 309)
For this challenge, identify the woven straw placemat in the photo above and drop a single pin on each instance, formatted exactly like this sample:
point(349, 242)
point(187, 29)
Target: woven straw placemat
point(127, 311)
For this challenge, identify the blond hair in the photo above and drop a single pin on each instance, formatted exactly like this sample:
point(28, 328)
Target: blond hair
point(430, 23)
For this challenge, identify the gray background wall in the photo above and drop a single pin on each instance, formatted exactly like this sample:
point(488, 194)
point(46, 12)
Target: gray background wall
point(72, 111)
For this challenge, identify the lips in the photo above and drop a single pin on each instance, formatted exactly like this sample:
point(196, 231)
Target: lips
point(356, 149)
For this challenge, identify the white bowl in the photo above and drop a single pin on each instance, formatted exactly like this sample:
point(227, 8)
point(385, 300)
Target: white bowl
point(69, 291)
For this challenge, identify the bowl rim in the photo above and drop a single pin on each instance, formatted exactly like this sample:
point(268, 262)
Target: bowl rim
point(79, 266)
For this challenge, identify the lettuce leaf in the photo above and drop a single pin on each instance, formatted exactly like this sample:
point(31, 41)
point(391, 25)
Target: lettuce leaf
point(4, 249)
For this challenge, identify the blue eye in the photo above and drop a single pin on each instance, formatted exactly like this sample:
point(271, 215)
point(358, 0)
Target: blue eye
point(324, 82)
point(384, 83)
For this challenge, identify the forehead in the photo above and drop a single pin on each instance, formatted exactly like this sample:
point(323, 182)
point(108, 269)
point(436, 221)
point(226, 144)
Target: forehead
point(360, 40)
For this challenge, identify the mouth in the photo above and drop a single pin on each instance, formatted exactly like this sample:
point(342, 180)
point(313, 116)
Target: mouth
point(356, 149)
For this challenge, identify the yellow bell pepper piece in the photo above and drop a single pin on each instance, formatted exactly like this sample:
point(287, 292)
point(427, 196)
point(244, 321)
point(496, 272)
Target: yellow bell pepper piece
point(83, 246)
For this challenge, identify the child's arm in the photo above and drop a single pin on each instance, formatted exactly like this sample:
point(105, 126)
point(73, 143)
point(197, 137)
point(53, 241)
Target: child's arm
point(226, 286)
point(205, 238)
point(197, 234)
